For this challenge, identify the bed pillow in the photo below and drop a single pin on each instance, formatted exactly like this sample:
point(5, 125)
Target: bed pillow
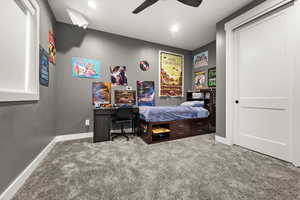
point(193, 103)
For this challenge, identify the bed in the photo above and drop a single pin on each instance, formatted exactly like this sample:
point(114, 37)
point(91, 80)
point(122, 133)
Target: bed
point(163, 123)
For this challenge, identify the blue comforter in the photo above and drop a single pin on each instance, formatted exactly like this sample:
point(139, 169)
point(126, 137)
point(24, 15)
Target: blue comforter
point(171, 113)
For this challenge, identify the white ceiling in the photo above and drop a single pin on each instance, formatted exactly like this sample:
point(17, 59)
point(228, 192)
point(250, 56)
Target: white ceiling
point(197, 25)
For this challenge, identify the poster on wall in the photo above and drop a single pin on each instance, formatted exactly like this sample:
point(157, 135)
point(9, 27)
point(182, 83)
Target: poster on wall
point(144, 65)
point(171, 74)
point(101, 93)
point(52, 48)
point(199, 80)
point(146, 93)
point(201, 59)
point(118, 76)
point(212, 77)
point(44, 67)
point(85, 68)
point(127, 97)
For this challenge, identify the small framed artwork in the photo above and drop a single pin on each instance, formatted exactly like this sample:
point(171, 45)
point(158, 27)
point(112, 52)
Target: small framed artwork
point(201, 59)
point(125, 97)
point(212, 77)
point(44, 67)
point(199, 80)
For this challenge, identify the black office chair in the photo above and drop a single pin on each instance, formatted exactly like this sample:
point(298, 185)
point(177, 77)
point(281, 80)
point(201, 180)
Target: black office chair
point(123, 116)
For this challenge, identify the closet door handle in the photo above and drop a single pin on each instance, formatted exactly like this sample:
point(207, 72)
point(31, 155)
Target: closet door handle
point(237, 101)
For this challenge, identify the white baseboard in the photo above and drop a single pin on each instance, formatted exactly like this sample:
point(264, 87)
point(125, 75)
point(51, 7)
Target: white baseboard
point(20, 180)
point(77, 136)
point(10, 192)
point(223, 140)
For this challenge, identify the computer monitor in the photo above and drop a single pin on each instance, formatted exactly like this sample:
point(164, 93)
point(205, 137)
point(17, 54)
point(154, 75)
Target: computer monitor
point(125, 97)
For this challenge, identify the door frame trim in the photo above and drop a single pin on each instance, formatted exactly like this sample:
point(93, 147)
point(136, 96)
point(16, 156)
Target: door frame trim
point(230, 27)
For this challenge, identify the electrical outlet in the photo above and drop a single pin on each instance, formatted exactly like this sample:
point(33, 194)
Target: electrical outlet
point(87, 122)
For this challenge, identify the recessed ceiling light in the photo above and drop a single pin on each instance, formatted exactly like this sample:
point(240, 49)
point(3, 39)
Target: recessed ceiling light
point(92, 4)
point(174, 28)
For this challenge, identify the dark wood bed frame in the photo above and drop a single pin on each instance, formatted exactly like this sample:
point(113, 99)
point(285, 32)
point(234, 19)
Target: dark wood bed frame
point(182, 128)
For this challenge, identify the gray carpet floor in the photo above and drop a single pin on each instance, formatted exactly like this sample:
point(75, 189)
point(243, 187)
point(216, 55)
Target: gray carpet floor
point(192, 168)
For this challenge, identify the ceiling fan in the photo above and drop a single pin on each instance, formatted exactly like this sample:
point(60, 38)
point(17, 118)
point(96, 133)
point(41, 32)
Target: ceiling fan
point(148, 3)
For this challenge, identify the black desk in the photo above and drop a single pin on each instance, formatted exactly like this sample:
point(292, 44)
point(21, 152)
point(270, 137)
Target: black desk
point(102, 123)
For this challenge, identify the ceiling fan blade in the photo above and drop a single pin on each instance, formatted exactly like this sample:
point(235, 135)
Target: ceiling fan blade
point(193, 3)
point(144, 5)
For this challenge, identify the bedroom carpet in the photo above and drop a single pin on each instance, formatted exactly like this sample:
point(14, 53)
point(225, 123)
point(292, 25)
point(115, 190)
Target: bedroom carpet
point(189, 169)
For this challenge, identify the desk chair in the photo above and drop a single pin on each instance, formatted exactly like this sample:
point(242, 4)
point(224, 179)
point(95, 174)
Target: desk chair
point(122, 117)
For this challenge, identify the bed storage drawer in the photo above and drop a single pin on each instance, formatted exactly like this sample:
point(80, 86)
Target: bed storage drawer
point(180, 129)
point(198, 127)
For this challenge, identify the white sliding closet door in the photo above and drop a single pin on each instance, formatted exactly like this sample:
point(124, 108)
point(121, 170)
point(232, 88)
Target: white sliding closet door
point(264, 86)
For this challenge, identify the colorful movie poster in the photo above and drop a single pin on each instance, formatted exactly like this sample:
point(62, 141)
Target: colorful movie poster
point(85, 68)
point(212, 77)
point(44, 67)
point(127, 97)
point(146, 93)
point(101, 93)
point(52, 48)
point(171, 74)
point(118, 76)
point(201, 59)
point(200, 80)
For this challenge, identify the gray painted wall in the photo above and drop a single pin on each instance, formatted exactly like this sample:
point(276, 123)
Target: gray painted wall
point(26, 128)
point(221, 68)
point(211, 48)
point(73, 95)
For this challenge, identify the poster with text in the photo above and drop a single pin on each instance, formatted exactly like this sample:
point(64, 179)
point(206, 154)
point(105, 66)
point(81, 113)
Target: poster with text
point(146, 93)
point(101, 93)
point(212, 77)
point(85, 68)
point(118, 76)
point(201, 59)
point(199, 80)
point(171, 74)
point(52, 48)
point(44, 67)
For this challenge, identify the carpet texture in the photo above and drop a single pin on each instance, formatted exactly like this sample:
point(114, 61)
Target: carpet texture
point(188, 169)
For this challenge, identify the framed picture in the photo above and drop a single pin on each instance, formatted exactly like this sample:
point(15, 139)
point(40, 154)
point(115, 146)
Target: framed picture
point(44, 67)
point(171, 74)
point(118, 76)
point(85, 68)
point(199, 80)
point(125, 97)
point(52, 48)
point(101, 93)
point(146, 93)
point(201, 59)
point(212, 77)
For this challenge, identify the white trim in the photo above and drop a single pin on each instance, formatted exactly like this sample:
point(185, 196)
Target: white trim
point(13, 188)
point(20, 180)
point(252, 14)
point(76, 136)
point(223, 140)
point(26, 94)
point(159, 69)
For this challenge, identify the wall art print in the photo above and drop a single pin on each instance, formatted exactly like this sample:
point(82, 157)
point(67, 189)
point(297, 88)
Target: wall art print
point(127, 97)
point(146, 93)
point(201, 59)
point(118, 76)
point(199, 80)
point(101, 93)
point(52, 48)
point(171, 74)
point(212, 77)
point(44, 67)
point(144, 65)
point(85, 68)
